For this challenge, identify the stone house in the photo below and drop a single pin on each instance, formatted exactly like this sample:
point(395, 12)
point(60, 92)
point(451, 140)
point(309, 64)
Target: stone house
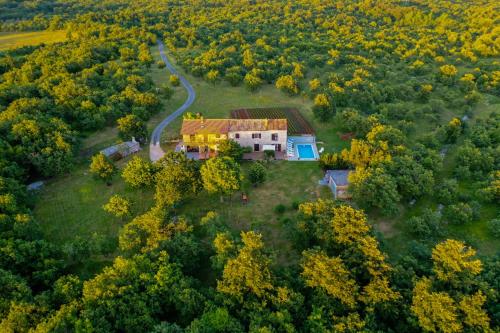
point(204, 135)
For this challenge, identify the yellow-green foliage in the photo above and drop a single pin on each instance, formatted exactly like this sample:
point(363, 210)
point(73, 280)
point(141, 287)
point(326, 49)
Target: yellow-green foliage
point(10, 40)
point(452, 259)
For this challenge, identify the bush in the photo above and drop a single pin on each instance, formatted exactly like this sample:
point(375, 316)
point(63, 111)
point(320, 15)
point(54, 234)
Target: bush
point(174, 80)
point(231, 149)
point(279, 209)
point(494, 227)
point(426, 225)
point(269, 154)
point(257, 173)
point(447, 191)
point(161, 64)
point(460, 213)
point(295, 205)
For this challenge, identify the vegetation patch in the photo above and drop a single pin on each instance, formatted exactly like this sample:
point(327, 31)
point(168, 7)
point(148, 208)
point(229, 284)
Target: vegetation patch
point(11, 40)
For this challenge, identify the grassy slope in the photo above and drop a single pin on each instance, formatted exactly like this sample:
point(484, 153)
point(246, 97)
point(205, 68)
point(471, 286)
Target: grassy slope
point(17, 39)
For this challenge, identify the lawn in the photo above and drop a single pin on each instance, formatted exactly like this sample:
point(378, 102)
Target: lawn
point(71, 205)
point(9, 40)
point(287, 183)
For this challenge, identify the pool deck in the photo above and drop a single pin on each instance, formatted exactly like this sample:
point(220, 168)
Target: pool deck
point(304, 141)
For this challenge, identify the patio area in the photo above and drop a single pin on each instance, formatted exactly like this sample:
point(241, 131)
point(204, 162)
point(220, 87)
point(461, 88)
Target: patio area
point(259, 155)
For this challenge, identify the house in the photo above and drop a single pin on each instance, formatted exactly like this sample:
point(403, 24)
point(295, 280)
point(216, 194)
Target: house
point(338, 181)
point(203, 136)
point(121, 150)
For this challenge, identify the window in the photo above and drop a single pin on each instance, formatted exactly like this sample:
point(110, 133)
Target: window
point(237, 136)
point(255, 135)
point(192, 138)
point(274, 137)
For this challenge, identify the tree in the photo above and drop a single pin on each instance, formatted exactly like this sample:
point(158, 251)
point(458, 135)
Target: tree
point(166, 91)
point(453, 130)
point(287, 84)
point(102, 168)
point(330, 274)
point(378, 190)
point(174, 80)
point(177, 178)
point(453, 261)
point(132, 126)
point(221, 175)
point(139, 172)
point(230, 148)
point(252, 81)
point(322, 108)
point(436, 312)
point(213, 76)
point(215, 321)
point(117, 206)
point(257, 173)
point(249, 272)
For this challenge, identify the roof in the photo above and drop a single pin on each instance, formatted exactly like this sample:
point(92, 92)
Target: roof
point(120, 147)
point(35, 186)
point(223, 126)
point(338, 176)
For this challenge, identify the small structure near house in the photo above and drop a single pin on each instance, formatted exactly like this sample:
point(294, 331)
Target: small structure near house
point(35, 186)
point(121, 150)
point(338, 182)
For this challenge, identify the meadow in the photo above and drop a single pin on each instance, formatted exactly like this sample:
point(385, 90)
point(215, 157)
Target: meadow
point(9, 40)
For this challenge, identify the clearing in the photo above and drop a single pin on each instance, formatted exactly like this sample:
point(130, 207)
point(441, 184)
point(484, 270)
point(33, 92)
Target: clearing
point(9, 40)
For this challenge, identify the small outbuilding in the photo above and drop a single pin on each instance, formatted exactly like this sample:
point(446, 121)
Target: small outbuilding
point(35, 186)
point(338, 181)
point(121, 150)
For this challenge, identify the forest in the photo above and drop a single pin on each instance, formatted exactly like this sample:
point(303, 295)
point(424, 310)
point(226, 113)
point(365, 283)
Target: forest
point(415, 85)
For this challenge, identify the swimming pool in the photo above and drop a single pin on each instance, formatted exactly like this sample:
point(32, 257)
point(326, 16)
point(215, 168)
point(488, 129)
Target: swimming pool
point(305, 151)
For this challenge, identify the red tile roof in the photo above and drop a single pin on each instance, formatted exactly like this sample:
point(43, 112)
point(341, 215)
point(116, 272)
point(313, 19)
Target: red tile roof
point(223, 126)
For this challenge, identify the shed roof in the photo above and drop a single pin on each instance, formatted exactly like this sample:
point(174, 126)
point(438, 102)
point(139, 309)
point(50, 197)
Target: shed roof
point(120, 147)
point(338, 176)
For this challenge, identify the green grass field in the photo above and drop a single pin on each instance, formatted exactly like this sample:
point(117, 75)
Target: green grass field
point(10, 40)
point(287, 183)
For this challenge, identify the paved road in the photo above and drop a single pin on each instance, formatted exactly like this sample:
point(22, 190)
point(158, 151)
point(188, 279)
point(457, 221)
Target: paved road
point(155, 151)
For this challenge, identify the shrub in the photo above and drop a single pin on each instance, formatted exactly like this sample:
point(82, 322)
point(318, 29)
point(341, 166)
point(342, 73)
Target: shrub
point(447, 191)
point(269, 154)
point(494, 227)
point(460, 213)
point(174, 80)
point(139, 172)
point(279, 209)
point(101, 167)
point(257, 173)
point(426, 225)
point(231, 149)
point(161, 64)
point(117, 206)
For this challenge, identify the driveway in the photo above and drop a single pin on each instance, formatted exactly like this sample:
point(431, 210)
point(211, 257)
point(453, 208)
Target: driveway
point(155, 151)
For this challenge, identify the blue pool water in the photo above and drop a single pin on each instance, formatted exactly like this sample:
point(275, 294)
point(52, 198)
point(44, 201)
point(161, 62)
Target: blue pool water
point(305, 151)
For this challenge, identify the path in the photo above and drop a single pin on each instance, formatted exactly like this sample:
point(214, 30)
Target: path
point(155, 151)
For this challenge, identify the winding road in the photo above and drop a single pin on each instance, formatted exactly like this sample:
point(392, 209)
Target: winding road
point(155, 151)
